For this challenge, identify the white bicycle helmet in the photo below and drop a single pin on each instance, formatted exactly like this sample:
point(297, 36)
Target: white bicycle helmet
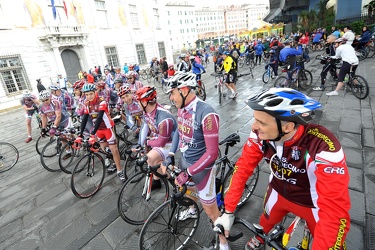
point(182, 79)
point(26, 94)
point(54, 87)
point(284, 104)
point(44, 94)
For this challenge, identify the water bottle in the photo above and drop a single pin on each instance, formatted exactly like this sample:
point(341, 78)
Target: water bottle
point(346, 79)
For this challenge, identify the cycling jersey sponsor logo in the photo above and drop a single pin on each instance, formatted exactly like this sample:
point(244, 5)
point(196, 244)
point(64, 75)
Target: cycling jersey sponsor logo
point(296, 152)
point(283, 170)
point(209, 123)
point(340, 235)
point(325, 138)
point(334, 170)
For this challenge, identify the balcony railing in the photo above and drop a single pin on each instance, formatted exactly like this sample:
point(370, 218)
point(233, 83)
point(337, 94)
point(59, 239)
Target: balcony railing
point(64, 30)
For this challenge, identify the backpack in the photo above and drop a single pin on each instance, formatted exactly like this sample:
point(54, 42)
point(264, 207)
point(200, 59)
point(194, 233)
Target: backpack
point(234, 63)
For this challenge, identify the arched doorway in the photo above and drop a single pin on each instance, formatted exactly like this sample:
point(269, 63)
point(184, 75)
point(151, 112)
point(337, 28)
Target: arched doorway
point(71, 64)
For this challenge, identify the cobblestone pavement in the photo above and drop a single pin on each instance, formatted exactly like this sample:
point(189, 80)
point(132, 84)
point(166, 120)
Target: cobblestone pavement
point(39, 211)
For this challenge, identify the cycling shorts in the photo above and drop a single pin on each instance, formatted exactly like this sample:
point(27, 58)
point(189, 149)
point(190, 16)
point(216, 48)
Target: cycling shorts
point(205, 182)
point(345, 69)
point(106, 135)
point(29, 113)
point(230, 78)
point(163, 152)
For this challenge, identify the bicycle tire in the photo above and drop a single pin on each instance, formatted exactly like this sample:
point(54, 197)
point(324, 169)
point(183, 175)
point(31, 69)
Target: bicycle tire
point(249, 188)
point(220, 91)
point(370, 51)
point(280, 82)
point(252, 64)
point(149, 76)
point(305, 79)
point(41, 142)
point(163, 230)
point(201, 92)
point(204, 64)
point(132, 204)
point(144, 75)
point(131, 168)
point(266, 77)
point(241, 63)
point(49, 155)
point(9, 156)
point(361, 91)
point(82, 183)
point(361, 54)
point(165, 88)
point(68, 164)
point(158, 79)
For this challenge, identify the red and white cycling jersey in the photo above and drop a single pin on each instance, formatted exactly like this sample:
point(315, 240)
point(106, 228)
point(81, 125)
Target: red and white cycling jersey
point(309, 170)
point(93, 108)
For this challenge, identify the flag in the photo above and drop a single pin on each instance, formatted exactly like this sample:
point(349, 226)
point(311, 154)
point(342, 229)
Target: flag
point(53, 9)
point(65, 9)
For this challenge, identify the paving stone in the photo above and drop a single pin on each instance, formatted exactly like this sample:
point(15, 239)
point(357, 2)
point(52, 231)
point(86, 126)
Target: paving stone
point(353, 157)
point(117, 231)
point(355, 238)
point(50, 193)
point(350, 121)
point(356, 179)
point(370, 193)
point(369, 138)
point(370, 232)
point(100, 243)
point(350, 140)
point(10, 229)
point(366, 118)
point(102, 209)
point(357, 213)
point(30, 242)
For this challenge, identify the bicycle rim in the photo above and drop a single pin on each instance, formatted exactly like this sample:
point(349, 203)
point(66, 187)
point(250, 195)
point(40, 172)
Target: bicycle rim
point(66, 162)
point(131, 168)
point(281, 82)
point(133, 206)
point(266, 77)
point(41, 142)
point(165, 88)
point(8, 156)
point(157, 81)
point(201, 93)
point(361, 89)
point(49, 157)
point(163, 230)
point(305, 79)
point(88, 176)
point(220, 91)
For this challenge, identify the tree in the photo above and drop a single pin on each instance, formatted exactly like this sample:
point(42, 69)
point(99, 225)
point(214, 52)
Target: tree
point(307, 19)
point(370, 7)
point(322, 12)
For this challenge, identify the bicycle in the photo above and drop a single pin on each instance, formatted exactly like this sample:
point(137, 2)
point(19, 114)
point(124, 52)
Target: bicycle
point(8, 156)
point(356, 83)
point(164, 230)
point(278, 238)
point(298, 77)
point(88, 175)
point(143, 74)
point(200, 90)
point(158, 79)
point(268, 74)
point(43, 140)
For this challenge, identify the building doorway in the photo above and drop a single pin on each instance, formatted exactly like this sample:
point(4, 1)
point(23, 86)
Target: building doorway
point(71, 65)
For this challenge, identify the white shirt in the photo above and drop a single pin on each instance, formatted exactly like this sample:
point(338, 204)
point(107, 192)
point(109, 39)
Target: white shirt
point(349, 35)
point(347, 53)
point(61, 82)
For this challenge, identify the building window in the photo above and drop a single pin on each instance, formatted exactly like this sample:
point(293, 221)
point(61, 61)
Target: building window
point(141, 55)
point(161, 49)
point(12, 74)
point(101, 14)
point(112, 58)
point(134, 16)
point(156, 18)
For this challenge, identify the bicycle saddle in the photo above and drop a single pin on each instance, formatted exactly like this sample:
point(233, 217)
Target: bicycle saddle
point(231, 140)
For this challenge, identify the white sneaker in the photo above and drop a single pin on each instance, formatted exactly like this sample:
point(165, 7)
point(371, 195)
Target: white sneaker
point(232, 95)
point(186, 214)
point(107, 162)
point(332, 93)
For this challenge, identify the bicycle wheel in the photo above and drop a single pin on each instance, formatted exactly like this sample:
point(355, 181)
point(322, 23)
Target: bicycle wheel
point(282, 82)
point(144, 74)
point(8, 156)
point(370, 51)
point(49, 157)
point(163, 229)
point(252, 64)
point(149, 76)
point(359, 87)
point(133, 205)
point(220, 91)
point(131, 167)
point(241, 62)
point(305, 79)
point(158, 79)
point(361, 54)
point(41, 142)
point(87, 176)
point(218, 78)
point(204, 64)
point(266, 77)
point(164, 87)
point(201, 92)
point(249, 186)
point(68, 158)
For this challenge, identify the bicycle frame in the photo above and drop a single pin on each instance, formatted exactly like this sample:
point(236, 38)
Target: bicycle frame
point(304, 244)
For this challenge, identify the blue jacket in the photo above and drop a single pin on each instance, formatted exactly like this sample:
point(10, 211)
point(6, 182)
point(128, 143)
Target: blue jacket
point(259, 49)
point(365, 37)
point(196, 68)
point(317, 37)
point(285, 52)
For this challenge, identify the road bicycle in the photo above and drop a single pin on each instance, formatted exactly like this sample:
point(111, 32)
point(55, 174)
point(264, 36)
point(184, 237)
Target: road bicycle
point(268, 74)
point(278, 238)
point(8, 156)
point(164, 229)
point(298, 77)
point(355, 83)
point(43, 140)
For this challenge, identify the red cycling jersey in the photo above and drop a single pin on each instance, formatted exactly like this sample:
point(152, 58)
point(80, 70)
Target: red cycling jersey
point(310, 171)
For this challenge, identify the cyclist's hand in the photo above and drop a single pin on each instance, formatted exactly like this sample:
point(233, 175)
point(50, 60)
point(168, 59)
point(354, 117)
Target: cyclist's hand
point(169, 161)
point(226, 220)
point(77, 142)
point(52, 131)
point(136, 148)
point(182, 178)
point(92, 139)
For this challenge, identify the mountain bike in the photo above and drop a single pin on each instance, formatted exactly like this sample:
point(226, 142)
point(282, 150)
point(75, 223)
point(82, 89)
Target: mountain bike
point(268, 74)
point(298, 77)
point(8, 156)
point(164, 229)
point(278, 238)
point(143, 73)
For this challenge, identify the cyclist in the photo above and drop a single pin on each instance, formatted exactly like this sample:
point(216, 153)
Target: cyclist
point(364, 38)
point(183, 65)
point(80, 100)
point(197, 139)
point(273, 62)
point(196, 68)
point(134, 84)
point(52, 110)
point(155, 66)
point(288, 57)
point(309, 175)
point(30, 104)
point(63, 96)
point(349, 62)
point(132, 112)
point(229, 66)
point(348, 35)
point(330, 50)
point(97, 109)
point(159, 124)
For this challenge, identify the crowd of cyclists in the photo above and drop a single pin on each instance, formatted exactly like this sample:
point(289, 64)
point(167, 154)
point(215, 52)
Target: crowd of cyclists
point(309, 176)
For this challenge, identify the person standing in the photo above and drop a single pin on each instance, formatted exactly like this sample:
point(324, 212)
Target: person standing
point(61, 81)
point(39, 85)
point(164, 67)
point(230, 75)
point(30, 104)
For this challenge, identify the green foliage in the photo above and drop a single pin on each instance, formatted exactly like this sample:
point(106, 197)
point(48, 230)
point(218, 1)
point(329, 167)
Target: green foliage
point(357, 26)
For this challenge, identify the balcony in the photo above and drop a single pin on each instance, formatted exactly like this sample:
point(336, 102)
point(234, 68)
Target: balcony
point(63, 35)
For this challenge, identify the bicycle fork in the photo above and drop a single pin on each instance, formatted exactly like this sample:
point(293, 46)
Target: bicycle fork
point(147, 187)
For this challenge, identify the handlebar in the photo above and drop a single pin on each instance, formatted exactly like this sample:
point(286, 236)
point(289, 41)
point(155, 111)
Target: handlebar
point(272, 239)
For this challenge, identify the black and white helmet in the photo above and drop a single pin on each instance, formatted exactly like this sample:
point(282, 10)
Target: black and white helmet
point(26, 94)
point(44, 94)
point(182, 79)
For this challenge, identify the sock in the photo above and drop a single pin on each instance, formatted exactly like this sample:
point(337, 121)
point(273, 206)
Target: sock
point(232, 91)
point(119, 172)
point(224, 247)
